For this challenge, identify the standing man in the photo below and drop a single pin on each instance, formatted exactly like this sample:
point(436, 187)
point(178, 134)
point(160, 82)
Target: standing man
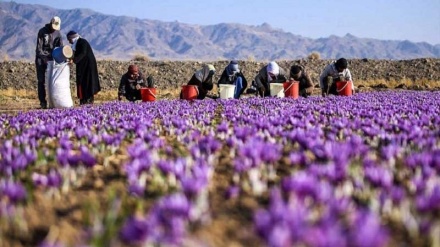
point(87, 80)
point(48, 38)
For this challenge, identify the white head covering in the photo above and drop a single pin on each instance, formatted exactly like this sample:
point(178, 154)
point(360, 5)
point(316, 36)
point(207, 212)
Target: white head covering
point(74, 40)
point(272, 68)
point(74, 36)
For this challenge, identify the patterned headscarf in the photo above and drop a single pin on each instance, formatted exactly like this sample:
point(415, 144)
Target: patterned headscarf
point(203, 73)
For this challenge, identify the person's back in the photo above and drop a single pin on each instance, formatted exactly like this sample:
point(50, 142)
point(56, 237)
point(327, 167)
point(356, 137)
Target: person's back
point(48, 38)
point(203, 80)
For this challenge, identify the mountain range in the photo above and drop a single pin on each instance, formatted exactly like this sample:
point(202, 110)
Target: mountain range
point(124, 38)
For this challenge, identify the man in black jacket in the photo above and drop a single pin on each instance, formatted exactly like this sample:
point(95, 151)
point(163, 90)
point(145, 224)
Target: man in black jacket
point(48, 38)
point(131, 83)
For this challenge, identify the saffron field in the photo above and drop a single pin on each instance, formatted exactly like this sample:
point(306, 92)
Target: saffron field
point(335, 171)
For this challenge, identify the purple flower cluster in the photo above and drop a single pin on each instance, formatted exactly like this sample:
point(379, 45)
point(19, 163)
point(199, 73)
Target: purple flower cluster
point(294, 222)
point(337, 168)
point(165, 224)
point(12, 191)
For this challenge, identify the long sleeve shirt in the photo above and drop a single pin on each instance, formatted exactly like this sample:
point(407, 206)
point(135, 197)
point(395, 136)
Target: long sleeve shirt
point(46, 42)
point(330, 70)
point(262, 81)
point(305, 82)
point(128, 85)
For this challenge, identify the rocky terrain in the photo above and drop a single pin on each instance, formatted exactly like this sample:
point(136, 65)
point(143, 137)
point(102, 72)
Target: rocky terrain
point(172, 74)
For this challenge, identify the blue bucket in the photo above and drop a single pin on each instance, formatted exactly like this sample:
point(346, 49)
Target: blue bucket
point(61, 54)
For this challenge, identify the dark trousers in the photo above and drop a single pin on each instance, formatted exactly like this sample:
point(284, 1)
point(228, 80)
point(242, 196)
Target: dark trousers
point(41, 79)
point(86, 101)
point(134, 95)
point(330, 85)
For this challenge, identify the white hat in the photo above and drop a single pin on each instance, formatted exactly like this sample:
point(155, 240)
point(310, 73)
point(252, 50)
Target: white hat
point(273, 68)
point(56, 23)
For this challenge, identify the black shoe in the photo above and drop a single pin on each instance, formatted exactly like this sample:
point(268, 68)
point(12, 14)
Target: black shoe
point(251, 91)
point(43, 106)
point(212, 96)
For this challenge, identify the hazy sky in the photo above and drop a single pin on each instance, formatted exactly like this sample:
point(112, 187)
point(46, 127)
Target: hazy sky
point(414, 20)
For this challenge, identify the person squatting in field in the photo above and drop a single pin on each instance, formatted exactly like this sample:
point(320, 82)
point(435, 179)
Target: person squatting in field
point(132, 82)
point(49, 37)
point(271, 73)
point(203, 80)
point(299, 73)
point(233, 76)
point(87, 79)
point(332, 73)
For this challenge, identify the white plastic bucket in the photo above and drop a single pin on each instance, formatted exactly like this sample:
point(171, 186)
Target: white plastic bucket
point(227, 91)
point(277, 89)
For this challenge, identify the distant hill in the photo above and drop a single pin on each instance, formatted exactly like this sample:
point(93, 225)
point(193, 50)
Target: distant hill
point(122, 37)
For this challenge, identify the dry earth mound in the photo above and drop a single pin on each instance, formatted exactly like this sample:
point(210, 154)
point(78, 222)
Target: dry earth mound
point(172, 74)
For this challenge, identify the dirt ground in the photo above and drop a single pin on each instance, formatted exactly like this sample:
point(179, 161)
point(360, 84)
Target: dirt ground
point(171, 75)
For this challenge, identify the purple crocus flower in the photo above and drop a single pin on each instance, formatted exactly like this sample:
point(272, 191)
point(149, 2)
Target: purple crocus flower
point(174, 205)
point(47, 243)
point(39, 179)
point(165, 166)
point(301, 184)
point(232, 192)
point(208, 145)
point(222, 127)
point(429, 201)
point(86, 157)
point(279, 236)
point(326, 235)
point(297, 158)
point(378, 176)
point(12, 190)
point(52, 179)
point(169, 218)
point(136, 189)
point(134, 231)
point(367, 231)
point(193, 185)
